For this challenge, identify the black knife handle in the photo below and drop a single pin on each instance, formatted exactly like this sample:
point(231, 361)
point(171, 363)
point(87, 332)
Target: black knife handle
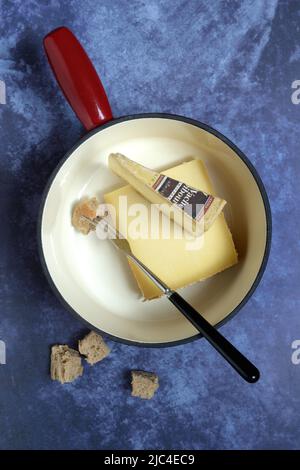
point(236, 359)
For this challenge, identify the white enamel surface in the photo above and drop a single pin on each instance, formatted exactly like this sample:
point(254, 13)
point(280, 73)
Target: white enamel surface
point(94, 278)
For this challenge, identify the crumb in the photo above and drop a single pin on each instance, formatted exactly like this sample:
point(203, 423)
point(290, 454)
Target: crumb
point(93, 347)
point(88, 208)
point(144, 384)
point(65, 364)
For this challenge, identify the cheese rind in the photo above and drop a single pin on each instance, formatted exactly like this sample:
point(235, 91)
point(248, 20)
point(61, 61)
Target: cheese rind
point(169, 258)
point(196, 210)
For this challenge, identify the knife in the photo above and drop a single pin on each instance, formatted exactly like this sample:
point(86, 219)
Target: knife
point(235, 358)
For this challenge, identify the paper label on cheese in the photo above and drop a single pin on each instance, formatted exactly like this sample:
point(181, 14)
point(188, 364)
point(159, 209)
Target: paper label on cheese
point(195, 203)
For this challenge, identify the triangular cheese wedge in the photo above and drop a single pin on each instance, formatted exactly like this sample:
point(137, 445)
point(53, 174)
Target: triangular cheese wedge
point(196, 210)
point(169, 258)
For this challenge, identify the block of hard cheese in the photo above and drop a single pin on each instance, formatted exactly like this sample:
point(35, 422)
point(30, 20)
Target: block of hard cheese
point(169, 258)
point(194, 209)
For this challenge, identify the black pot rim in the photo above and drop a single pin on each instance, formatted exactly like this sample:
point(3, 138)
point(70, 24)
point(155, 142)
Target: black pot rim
point(212, 131)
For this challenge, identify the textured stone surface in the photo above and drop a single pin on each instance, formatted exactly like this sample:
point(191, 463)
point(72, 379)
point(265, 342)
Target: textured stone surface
point(229, 64)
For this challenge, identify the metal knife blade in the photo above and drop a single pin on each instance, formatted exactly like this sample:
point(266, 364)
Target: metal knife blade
point(122, 244)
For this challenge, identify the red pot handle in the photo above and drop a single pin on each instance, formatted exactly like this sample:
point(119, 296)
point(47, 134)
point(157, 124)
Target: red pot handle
point(77, 78)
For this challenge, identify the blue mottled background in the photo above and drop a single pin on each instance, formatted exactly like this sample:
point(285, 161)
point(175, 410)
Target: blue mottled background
point(227, 63)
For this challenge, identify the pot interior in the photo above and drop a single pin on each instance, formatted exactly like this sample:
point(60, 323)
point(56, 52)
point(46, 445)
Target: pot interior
point(94, 278)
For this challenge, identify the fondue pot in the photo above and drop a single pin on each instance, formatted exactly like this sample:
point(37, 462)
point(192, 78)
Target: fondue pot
point(89, 276)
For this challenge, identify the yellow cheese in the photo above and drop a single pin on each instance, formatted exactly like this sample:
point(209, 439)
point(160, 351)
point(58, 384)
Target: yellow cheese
point(196, 210)
point(170, 259)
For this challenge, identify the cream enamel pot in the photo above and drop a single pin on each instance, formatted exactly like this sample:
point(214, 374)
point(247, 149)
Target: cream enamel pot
point(90, 277)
